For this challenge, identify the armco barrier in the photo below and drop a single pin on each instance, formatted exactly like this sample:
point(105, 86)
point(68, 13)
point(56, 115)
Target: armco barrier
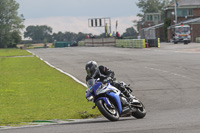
point(130, 43)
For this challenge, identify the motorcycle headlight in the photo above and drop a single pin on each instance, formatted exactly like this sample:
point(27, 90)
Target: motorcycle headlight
point(90, 98)
point(90, 89)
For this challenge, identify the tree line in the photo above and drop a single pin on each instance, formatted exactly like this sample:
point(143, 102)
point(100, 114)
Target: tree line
point(44, 33)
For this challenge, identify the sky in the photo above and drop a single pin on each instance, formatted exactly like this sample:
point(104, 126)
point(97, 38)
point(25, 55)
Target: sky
point(73, 15)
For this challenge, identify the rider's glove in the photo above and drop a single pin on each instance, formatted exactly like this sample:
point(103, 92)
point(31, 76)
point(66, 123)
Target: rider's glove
point(108, 79)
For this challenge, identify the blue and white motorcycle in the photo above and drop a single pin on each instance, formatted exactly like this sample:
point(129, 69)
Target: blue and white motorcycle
point(111, 102)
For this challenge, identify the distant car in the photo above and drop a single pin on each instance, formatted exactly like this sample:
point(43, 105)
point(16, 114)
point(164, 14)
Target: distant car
point(182, 34)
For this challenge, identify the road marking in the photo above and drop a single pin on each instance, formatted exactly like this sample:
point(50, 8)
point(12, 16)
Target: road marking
point(74, 78)
point(164, 71)
point(188, 52)
point(176, 51)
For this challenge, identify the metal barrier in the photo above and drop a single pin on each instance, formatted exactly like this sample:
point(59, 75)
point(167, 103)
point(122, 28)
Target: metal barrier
point(130, 43)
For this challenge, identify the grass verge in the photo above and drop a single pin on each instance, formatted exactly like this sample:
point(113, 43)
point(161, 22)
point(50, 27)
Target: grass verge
point(31, 90)
point(13, 52)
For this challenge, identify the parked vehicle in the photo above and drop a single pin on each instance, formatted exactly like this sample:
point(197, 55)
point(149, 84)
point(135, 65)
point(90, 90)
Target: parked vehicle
point(111, 102)
point(182, 34)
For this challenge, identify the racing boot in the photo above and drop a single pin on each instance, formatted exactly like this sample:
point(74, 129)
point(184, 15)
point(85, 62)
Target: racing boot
point(130, 97)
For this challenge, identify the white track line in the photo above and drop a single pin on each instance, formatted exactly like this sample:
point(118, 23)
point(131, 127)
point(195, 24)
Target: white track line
point(175, 74)
point(74, 78)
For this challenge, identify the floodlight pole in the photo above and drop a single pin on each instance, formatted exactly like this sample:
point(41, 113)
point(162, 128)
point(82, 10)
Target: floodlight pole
point(175, 12)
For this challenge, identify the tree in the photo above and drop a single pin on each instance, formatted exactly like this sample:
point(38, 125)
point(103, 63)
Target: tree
point(130, 32)
point(151, 6)
point(15, 38)
point(38, 33)
point(69, 36)
point(10, 23)
point(80, 36)
point(58, 36)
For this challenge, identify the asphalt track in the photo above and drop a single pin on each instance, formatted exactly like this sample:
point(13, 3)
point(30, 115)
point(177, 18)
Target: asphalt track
point(166, 79)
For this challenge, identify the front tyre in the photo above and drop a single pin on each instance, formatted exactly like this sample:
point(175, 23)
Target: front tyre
point(140, 111)
point(110, 113)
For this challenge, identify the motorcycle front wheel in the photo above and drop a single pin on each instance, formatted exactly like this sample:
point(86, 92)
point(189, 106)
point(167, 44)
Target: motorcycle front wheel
point(110, 113)
point(140, 111)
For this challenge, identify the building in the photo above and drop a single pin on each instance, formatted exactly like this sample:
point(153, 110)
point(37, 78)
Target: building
point(150, 19)
point(153, 18)
point(186, 9)
point(188, 12)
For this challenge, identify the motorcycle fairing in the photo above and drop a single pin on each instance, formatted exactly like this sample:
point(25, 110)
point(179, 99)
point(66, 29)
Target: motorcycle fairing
point(116, 97)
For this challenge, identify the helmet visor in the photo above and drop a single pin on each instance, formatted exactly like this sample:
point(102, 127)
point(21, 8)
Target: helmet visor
point(91, 72)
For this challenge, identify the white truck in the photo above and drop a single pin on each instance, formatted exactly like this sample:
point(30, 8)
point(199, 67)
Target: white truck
point(182, 34)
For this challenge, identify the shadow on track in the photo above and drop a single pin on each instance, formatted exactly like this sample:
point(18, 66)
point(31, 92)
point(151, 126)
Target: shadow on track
point(98, 120)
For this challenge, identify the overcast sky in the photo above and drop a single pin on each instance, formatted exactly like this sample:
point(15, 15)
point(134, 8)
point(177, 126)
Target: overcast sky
point(73, 15)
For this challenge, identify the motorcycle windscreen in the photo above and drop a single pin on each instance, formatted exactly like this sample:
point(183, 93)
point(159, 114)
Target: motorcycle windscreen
point(90, 83)
point(89, 90)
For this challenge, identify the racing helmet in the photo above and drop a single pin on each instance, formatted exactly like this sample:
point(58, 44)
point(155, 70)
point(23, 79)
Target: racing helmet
point(92, 69)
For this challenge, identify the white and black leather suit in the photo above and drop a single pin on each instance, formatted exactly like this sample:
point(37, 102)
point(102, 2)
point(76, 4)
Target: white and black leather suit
point(104, 73)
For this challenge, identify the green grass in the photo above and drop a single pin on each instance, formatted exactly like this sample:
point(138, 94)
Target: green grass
point(31, 90)
point(13, 52)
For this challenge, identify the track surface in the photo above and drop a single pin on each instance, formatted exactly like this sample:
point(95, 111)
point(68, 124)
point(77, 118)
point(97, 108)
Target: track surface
point(166, 79)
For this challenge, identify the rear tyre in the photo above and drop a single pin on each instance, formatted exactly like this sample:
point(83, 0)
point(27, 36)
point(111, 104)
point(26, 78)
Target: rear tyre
point(110, 113)
point(140, 111)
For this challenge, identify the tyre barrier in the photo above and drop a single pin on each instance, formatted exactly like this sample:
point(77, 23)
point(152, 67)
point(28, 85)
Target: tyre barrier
point(81, 43)
point(130, 43)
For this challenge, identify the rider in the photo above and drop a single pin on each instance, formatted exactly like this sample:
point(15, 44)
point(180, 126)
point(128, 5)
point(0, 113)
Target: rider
point(105, 74)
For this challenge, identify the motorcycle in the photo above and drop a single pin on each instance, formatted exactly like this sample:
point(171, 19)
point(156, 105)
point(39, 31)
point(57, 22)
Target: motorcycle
point(111, 102)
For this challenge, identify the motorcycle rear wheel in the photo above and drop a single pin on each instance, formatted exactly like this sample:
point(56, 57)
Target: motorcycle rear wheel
point(110, 113)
